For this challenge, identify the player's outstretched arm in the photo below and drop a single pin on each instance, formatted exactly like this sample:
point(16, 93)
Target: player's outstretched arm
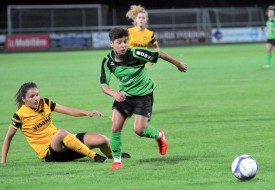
point(76, 112)
point(181, 66)
point(6, 144)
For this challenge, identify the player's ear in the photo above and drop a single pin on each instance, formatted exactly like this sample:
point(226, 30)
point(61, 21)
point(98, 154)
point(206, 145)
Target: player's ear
point(111, 44)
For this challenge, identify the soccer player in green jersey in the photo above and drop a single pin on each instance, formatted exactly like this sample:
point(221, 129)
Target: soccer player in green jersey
point(135, 95)
point(270, 31)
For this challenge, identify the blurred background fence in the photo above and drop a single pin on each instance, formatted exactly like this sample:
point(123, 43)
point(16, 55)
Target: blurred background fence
point(86, 18)
point(87, 26)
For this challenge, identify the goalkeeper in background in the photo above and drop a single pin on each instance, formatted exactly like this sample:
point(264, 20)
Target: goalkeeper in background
point(270, 32)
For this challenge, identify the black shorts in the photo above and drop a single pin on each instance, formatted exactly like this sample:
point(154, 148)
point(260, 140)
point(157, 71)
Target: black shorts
point(271, 41)
point(139, 105)
point(68, 155)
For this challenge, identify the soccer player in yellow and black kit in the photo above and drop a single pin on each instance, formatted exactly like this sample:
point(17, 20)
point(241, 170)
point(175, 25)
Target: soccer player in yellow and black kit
point(136, 90)
point(140, 35)
point(33, 118)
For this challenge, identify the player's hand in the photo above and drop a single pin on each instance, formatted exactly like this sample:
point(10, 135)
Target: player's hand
point(94, 112)
point(120, 97)
point(182, 67)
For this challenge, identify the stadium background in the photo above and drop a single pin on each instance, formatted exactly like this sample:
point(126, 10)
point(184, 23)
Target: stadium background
point(122, 6)
point(221, 108)
point(174, 23)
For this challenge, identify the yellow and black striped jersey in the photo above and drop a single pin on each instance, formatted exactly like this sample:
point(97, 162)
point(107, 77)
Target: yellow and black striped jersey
point(139, 38)
point(36, 125)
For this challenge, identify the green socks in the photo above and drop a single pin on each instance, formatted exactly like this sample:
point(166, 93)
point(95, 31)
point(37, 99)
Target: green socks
point(150, 132)
point(116, 144)
point(269, 58)
point(116, 141)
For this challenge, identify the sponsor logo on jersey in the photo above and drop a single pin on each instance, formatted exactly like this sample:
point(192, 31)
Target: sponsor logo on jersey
point(42, 123)
point(144, 55)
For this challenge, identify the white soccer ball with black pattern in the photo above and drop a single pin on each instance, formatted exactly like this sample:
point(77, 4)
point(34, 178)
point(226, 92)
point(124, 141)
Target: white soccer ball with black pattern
point(244, 167)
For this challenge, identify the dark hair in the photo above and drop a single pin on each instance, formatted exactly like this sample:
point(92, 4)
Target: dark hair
point(269, 8)
point(118, 32)
point(21, 93)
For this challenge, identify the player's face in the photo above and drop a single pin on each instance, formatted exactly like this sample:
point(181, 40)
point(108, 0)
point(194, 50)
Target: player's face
point(120, 45)
point(32, 98)
point(141, 20)
point(270, 13)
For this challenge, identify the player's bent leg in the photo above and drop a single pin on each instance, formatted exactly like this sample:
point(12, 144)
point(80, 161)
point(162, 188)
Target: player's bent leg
point(151, 132)
point(73, 143)
point(98, 141)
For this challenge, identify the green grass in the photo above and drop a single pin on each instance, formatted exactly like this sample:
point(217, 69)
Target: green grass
point(221, 108)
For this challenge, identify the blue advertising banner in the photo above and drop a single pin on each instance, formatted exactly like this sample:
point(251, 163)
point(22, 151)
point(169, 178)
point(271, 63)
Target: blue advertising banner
point(73, 41)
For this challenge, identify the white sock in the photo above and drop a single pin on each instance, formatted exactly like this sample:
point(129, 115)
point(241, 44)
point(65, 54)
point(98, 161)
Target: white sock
point(160, 135)
point(117, 159)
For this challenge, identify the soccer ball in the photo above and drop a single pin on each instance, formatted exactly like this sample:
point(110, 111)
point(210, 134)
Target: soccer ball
point(244, 167)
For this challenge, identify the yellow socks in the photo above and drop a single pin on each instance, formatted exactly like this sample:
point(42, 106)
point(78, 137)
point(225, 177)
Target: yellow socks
point(73, 143)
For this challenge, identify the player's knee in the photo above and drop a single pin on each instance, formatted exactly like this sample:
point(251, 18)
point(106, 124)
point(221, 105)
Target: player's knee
point(105, 140)
point(139, 130)
point(62, 133)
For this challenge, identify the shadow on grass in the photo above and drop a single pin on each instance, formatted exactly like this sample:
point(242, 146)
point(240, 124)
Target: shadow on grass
point(229, 120)
point(172, 109)
point(167, 160)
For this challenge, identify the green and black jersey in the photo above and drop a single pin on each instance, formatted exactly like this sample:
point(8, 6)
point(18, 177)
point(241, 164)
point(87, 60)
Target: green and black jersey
point(131, 73)
point(270, 26)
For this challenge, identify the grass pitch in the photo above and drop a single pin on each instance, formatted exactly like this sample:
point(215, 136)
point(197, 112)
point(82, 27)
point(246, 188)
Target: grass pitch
point(221, 108)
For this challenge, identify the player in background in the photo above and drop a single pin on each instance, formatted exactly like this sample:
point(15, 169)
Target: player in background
point(135, 95)
point(33, 118)
point(270, 32)
point(140, 35)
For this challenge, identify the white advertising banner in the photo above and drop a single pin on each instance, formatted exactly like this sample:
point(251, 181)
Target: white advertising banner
point(183, 37)
point(101, 39)
point(2, 42)
point(233, 35)
point(2, 39)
